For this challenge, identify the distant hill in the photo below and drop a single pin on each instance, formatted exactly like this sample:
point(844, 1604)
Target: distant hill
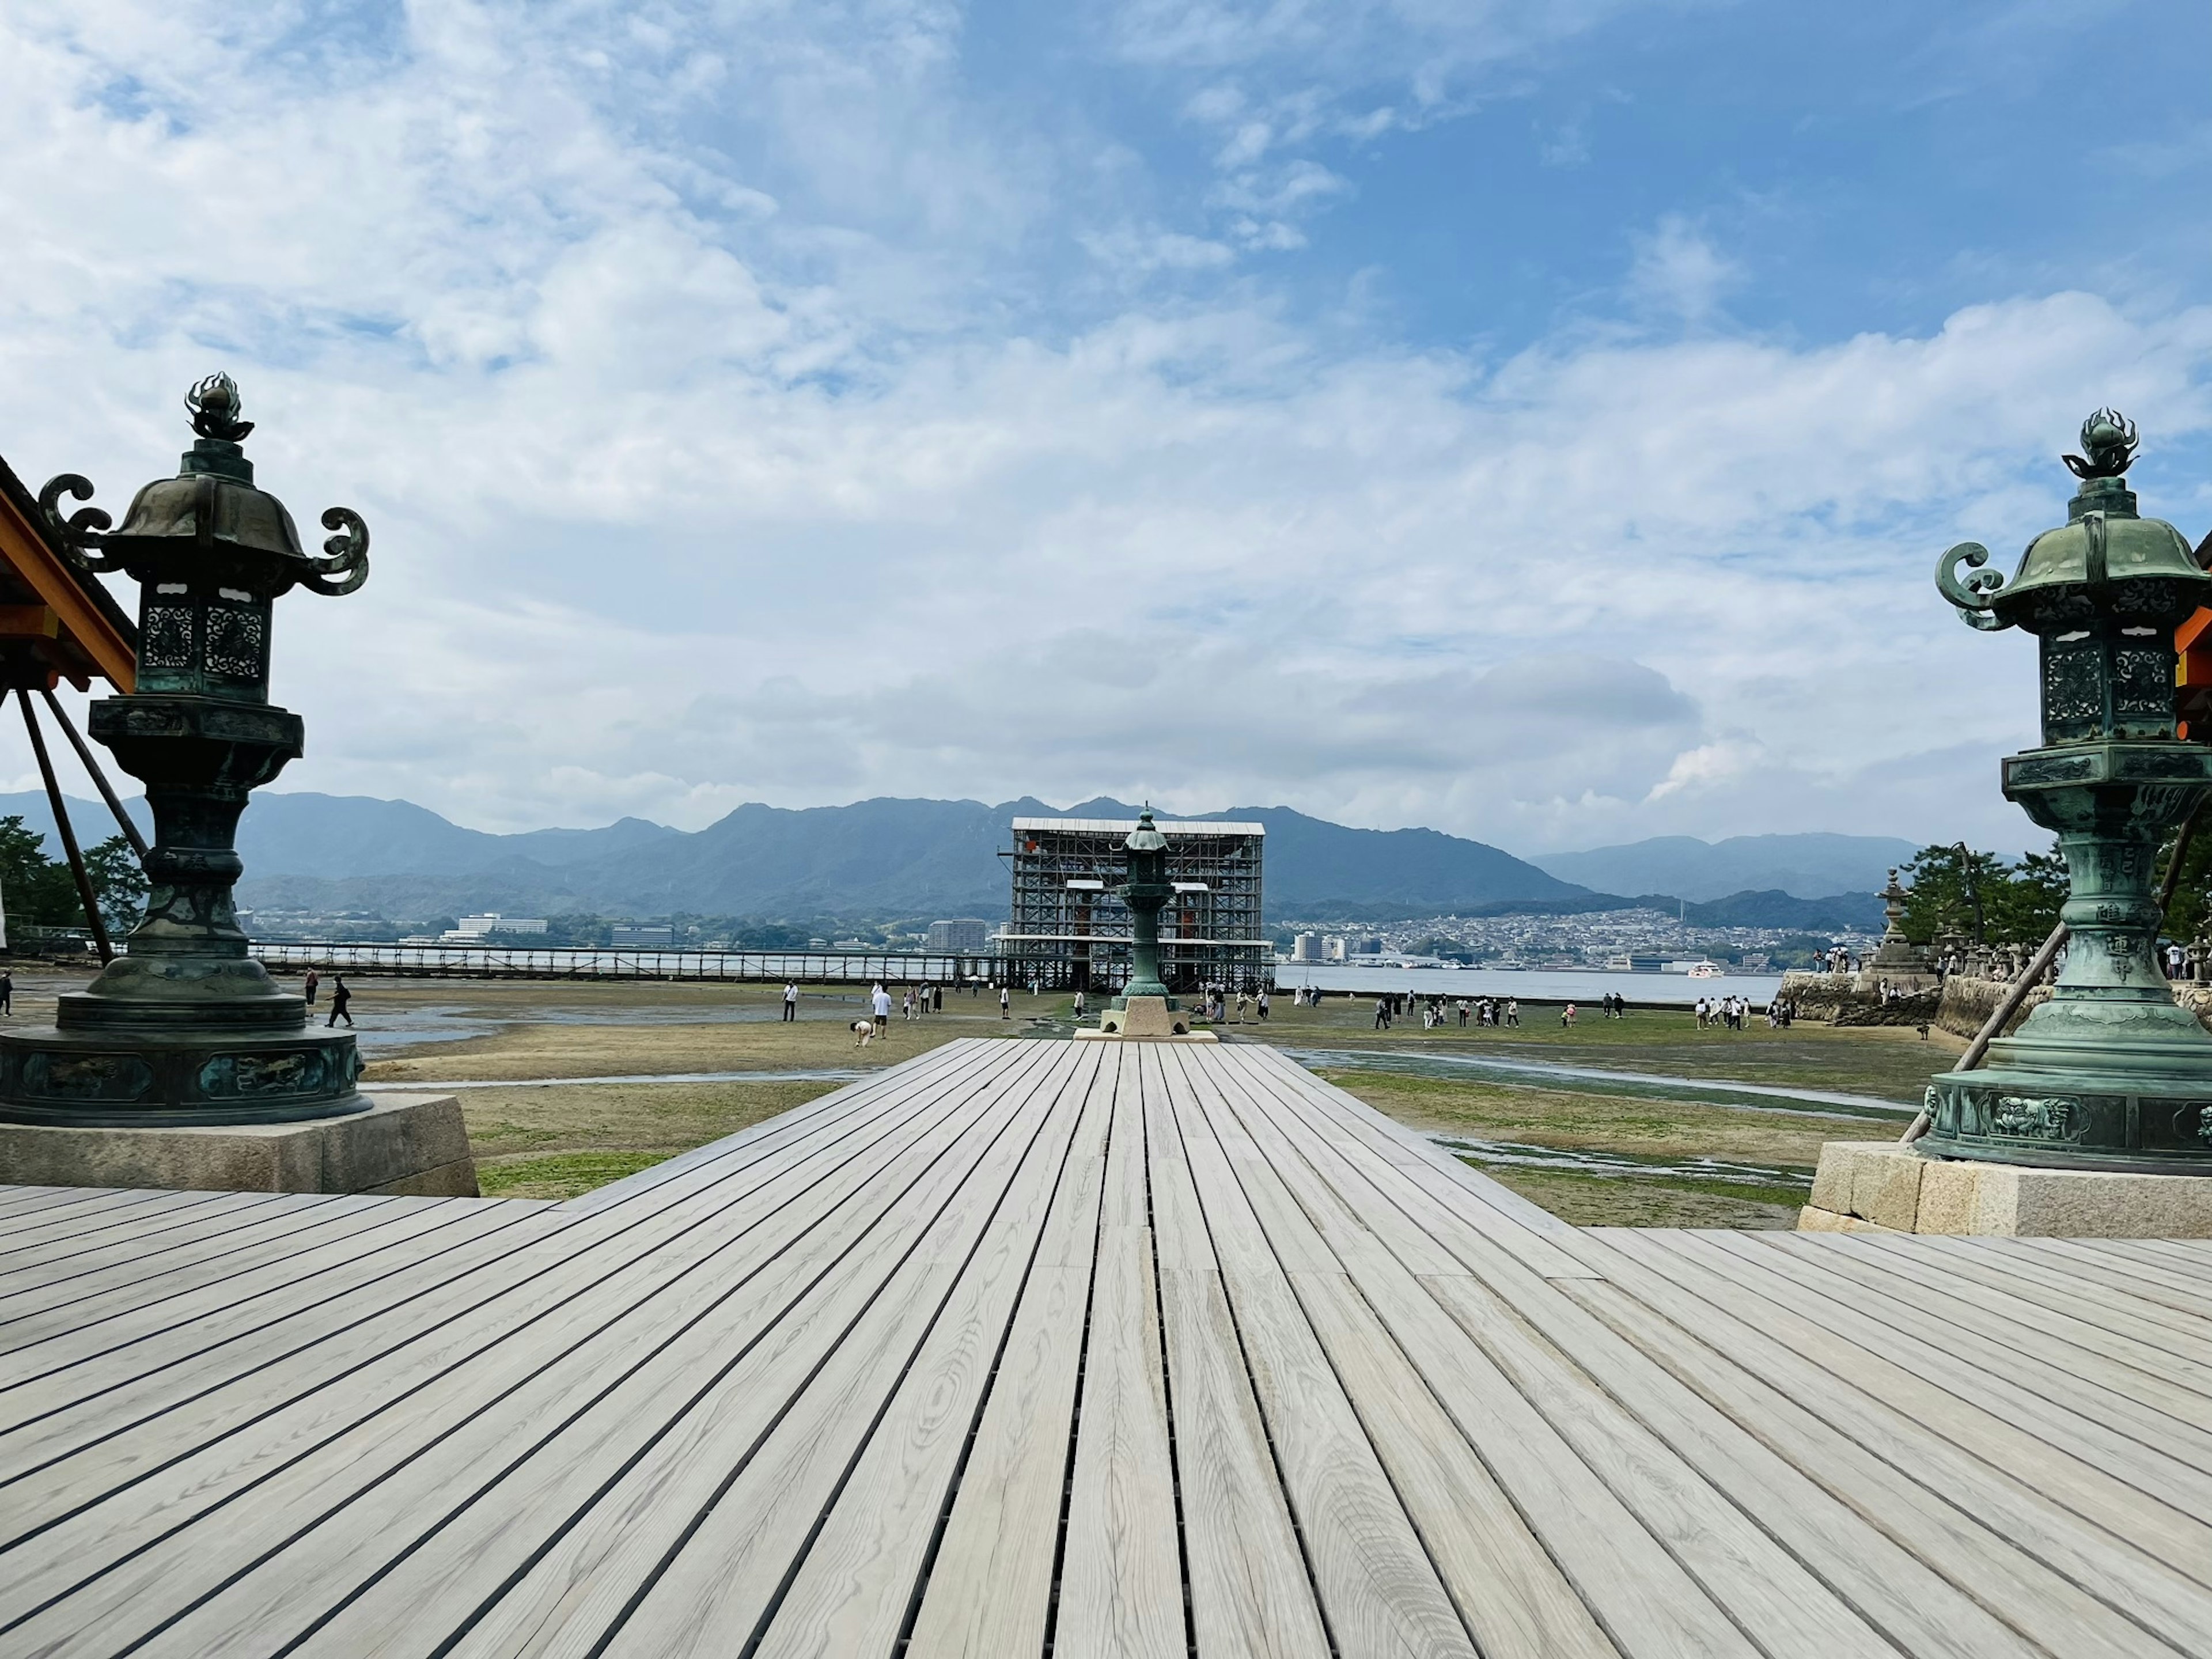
point(1803, 866)
point(1837, 913)
point(873, 858)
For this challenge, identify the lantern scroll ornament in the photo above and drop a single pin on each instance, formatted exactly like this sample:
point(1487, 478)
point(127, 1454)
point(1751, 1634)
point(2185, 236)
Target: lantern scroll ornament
point(185, 1027)
point(2107, 1074)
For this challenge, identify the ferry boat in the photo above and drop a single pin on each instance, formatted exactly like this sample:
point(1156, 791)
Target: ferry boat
point(1704, 970)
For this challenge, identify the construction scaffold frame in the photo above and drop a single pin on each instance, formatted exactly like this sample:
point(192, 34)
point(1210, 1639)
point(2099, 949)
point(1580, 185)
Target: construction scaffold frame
point(1066, 930)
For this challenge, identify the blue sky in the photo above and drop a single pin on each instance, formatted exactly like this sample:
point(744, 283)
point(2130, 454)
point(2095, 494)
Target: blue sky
point(1535, 421)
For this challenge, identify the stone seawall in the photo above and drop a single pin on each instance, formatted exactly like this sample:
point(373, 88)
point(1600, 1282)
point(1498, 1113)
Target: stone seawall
point(1837, 1000)
point(1964, 1004)
point(1967, 1003)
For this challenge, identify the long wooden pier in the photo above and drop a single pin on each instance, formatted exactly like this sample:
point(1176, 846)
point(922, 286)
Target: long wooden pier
point(1028, 1348)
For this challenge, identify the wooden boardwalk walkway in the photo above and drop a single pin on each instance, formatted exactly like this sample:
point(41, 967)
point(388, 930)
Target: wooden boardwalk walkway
point(1032, 1348)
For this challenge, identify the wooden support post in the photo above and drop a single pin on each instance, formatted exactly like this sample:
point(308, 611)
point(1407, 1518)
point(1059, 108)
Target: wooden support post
point(90, 900)
point(99, 778)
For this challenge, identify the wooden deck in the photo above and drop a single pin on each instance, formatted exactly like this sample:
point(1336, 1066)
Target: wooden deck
point(1034, 1348)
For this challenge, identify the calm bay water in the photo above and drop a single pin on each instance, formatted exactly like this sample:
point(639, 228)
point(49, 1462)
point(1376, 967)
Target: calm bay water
point(1652, 990)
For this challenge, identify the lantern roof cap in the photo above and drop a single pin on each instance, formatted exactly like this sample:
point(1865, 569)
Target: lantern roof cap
point(1145, 838)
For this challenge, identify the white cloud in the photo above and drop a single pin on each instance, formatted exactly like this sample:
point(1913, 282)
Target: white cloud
point(713, 452)
point(1679, 271)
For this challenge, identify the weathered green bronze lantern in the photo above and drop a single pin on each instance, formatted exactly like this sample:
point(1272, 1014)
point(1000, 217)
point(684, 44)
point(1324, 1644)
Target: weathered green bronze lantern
point(1146, 892)
point(2109, 1074)
point(187, 1028)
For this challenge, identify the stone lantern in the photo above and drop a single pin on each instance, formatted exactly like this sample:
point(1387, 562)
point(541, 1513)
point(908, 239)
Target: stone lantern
point(1145, 1009)
point(187, 1028)
point(2109, 1073)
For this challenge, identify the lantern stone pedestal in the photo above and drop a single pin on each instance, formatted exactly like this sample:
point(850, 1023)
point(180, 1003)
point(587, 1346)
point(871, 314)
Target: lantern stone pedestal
point(402, 1144)
point(1882, 1186)
point(1154, 1017)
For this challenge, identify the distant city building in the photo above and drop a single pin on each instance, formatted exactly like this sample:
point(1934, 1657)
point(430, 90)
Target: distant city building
point(1068, 930)
point(1333, 949)
point(1302, 949)
point(962, 936)
point(644, 933)
point(473, 929)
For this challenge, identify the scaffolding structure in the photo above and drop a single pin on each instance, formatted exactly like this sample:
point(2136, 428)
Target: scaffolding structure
point(1066, 930)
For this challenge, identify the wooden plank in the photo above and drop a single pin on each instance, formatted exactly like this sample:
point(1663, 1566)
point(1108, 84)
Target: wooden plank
point(189, 1240)
point(130, 1238)
point(2075, 1388)
point(1601, 1531)
point(2168, 1287)
point(2163, 1340)
point(1512, 1595)
point(1457, 1192)
point(1879, 1582)
point(2088, 1284)
point(1121, 1590)
point(1378, 1589)
point(92, 1211)
point(858, 1583)
point(989, 1590)
point(337, 1447)
point(1410, 1147)
point(73, 1301)
point(588, 1554)
point(190, 1335)
point(2040, 1565)
point(1249, 1590)
point(687, 1170)
point(695, 1546)
point(1963, 1401)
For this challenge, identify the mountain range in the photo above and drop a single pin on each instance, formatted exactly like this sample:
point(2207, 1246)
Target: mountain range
point(1804, 867)
point(328, 854)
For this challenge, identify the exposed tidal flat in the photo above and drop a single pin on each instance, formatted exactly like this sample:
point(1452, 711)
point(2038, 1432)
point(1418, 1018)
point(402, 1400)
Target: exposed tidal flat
point(1642, 1120)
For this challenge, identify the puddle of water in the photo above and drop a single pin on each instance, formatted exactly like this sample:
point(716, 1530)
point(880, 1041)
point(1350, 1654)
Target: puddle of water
point(1658, 1086)
point(1621, 1165)
point(413, 1087)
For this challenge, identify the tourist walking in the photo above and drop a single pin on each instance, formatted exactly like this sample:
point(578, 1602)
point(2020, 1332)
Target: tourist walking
point(1512, 1011)
point(1381, 1013)
point(937, 992)
point(1005, 1004)
point(791, 1001)
point(879, 1006)
point(313, 979)
point(341, 1001)
point(1262, 1004)
point(1567, 1016)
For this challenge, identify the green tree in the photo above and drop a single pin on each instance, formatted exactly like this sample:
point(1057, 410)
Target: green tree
point(35, 889)
point(119, 883)
point(1963, 891)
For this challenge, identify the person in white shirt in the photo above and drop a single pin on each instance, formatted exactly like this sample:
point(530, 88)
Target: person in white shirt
point(1005, 999)
point(880, 1005)
point(791, 1002)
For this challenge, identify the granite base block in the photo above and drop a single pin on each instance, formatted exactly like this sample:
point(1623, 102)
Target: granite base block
point(409, 1144)
point(1881, 1186)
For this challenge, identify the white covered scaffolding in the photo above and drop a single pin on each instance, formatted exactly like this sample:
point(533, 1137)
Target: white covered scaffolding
point(1067, 931)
